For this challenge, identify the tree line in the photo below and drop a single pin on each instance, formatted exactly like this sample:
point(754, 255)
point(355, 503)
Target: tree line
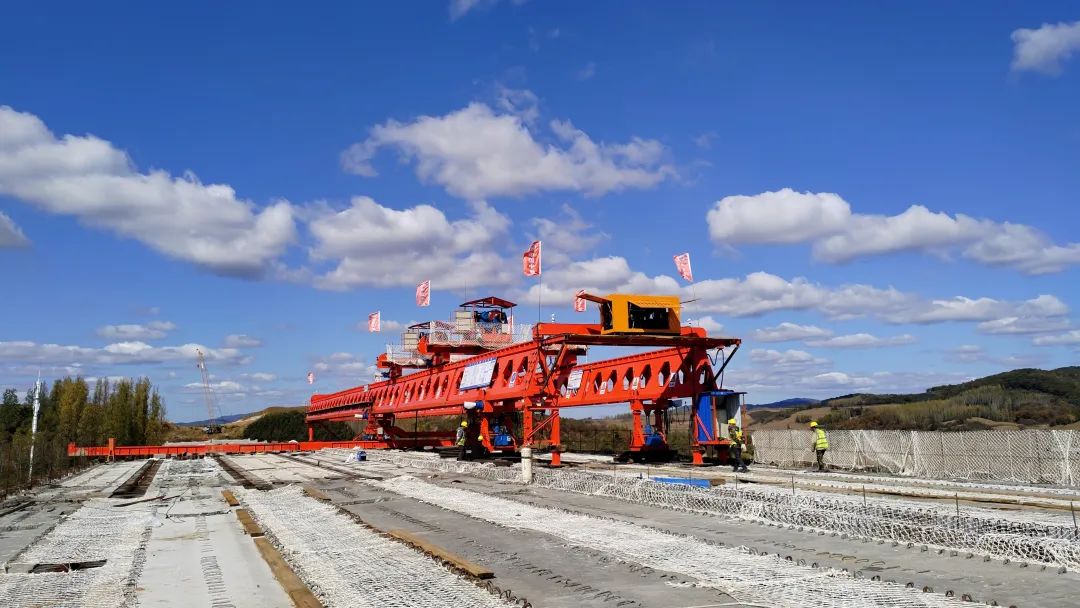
point(129, 410)
point(290, 425)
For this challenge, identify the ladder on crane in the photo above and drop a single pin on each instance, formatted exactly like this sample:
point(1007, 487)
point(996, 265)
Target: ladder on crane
point(213, 422)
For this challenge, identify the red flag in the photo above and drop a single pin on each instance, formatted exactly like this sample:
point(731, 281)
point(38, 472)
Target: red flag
point(682, 262)
point(579, 302)
point(530, 262)
point(373, 322)
point(311, 377)
point(423, 294)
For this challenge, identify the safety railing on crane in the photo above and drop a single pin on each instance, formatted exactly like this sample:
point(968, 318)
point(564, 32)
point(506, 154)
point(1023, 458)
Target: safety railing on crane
point(485, 335)
point(404, 355)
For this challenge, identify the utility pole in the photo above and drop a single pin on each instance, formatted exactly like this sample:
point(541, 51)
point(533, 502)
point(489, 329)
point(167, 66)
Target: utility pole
point(33, 423)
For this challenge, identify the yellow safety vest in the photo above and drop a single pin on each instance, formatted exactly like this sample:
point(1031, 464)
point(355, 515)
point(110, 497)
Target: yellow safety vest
point(822, 442)
point(735, 436)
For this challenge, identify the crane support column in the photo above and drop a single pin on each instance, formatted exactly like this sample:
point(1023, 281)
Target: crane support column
point(556, 456)
point(637, 434)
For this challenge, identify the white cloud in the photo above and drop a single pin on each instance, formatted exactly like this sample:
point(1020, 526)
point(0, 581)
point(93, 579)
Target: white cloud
point(477, 153)
point(225, 387)
point(917, 228)
point(760, 293)
point(966, 353)
point(816, 381)
point(1067, 338)
point(600, 276)
point(970, 353)
point(384, 247)
point(10, 234)
point(385, 325)
point(769, 369)
point(586, 72)
point(709, 324)
point(345, 367)
point(784, 216)
point(241, 341)
point(1043, 306)
point(154, 330)
point(786, 332)
point(838, 235)
point(957, 308)
point(837, 381)
point(1023, 325)
point(565, 236)
point(519, 102)
point(260, 376)
point(118, 353)
point(88, 178)
point(960, 308)
point(459, 8)
point(1045, 49)
point(705, 140)
point(787, 359)
point(1022, 247)
point(862, 340)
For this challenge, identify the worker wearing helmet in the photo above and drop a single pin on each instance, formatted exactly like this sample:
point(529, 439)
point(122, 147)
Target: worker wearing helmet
point(821, 443)
point(460, 439)
point(735, 449)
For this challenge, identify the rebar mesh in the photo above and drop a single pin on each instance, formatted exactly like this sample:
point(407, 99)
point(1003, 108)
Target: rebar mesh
point(94, 532)
point(752, 578)
point(1028, 456)
point(1021, 537)
point(347, 564)
point(921, 486)
point(98, 530)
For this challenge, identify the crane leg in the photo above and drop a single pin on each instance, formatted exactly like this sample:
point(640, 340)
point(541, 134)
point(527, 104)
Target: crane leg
point(556, 456)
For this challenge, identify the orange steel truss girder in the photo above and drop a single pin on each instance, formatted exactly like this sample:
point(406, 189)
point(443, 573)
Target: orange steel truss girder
point(524, 379)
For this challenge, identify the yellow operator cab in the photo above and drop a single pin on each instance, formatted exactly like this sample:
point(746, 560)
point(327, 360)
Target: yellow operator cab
point(628, 313)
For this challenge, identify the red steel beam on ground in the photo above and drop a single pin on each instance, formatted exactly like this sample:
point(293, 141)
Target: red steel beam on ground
point(202, 449)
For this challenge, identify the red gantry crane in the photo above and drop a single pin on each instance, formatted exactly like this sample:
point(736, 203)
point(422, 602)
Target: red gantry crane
point(511, 381)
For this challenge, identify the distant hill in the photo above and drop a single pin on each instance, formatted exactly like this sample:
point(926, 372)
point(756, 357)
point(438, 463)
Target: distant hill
point(1019, 398)
point(222, 420)
point(234, 425)
point(238, 417)
point(1062, 382)
point(793, 402)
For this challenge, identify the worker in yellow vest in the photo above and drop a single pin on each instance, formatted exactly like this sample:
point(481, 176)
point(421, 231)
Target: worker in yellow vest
point(460, 440)
point(735, 450)
point(821, 443)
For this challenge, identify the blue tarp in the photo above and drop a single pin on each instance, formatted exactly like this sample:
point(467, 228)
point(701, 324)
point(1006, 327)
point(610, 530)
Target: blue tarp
point(701, 483)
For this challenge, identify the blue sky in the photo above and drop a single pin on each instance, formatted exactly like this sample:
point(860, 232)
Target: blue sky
point(876, 198)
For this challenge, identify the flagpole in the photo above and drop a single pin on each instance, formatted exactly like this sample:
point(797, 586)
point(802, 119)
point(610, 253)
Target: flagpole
point(539, 297)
